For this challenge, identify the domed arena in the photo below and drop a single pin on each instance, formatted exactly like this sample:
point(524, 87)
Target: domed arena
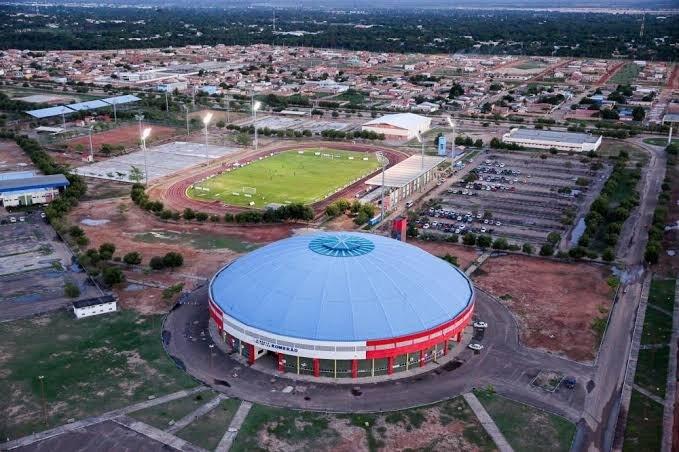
point(341, 305)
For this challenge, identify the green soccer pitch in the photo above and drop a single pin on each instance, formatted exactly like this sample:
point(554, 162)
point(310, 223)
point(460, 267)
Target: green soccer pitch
point(287, 177)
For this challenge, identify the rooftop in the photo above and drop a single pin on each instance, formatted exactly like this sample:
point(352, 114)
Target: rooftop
point(548, 135)
point(406, 171)
point(401, 120)
point(341, 287)
point(34, 182)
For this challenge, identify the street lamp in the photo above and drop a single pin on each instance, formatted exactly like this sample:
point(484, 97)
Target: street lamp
point(139, 118)
point(91, 149)
point(186, 109)
point(419, 138)
point(211, 346)
point(144, 135)
point(256, 105)
point(384, 161)
point(206, 121)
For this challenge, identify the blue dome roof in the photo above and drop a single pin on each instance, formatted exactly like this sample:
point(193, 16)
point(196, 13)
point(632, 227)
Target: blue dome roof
point(341, 287)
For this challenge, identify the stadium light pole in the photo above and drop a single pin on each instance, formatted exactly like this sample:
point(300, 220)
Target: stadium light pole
point(144, 135)
point(89, 131)
point(139, 118)
point(451, 123)
point(419, 138)
point(206, 122)
point(256, 105)
point(384, 161)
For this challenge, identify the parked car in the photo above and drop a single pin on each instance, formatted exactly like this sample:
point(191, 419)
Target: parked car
point(476, 347)
point(12, 220)
point(569, 382)
point(480, 324)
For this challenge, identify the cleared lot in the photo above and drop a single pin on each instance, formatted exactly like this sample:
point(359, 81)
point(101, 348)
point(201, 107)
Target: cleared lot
point(518, 196)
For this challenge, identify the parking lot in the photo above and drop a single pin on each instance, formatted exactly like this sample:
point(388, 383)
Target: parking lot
point(518, 196)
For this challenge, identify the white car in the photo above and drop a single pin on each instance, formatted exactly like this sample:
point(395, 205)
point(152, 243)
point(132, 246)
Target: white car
point(434, 224)
point(457, 231)
point(22, 219)
point(12, 220)
point(479, 216)
point(476, 347)
point(425, 226)
point(42, 215)
point(483, 230)
point(498, 223)
point(459, 218)
point(485, 221)
point(480, 325)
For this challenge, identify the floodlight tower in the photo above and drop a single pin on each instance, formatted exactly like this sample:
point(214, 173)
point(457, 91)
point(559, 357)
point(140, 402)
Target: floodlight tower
point(139, 118)
point(89, 130)
point(256, 105)
point(206, 122)
point(144, 135)
point(384, 161)
point(451, 123)
point(419, 138)
point(186, 109)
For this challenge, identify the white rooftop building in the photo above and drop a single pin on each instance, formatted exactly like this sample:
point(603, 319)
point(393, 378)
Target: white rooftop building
point(402, 126)
point(546, 139)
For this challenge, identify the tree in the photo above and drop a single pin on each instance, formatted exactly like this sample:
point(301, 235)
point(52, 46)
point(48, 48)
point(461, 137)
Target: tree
point(332, 210)
point(157, 263)
point(112, 276)
point(546, 250)
point(76, 231)
point(221, 124)
point(527, 248)
point(136, 175)
point(201, 216)
point(189, 214)
point(455, 91)
point(484, 241)
point(652, 253)
point(173, 260)
point(106, 250)
point(71, 290)
point(132, 258)
point(243, 139)
point(469, 238)
point(608, 255)
point(553, 238)
point(500, 244)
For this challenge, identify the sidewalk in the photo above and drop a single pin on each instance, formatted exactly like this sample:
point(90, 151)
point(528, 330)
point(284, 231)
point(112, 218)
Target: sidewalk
point(487, 422)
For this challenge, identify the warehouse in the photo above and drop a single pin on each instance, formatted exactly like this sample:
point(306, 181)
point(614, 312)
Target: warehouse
point(23, 188)
point(546, 139)
point(340, 305)
point(407, 177)
point(400, 126)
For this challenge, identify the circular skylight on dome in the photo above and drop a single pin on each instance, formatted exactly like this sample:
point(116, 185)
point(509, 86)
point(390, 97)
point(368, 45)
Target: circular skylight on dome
point(341, 245)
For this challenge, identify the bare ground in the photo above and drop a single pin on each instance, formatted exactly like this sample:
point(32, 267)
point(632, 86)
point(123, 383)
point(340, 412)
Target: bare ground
point(554, 302)
point(465, 255)
point(13, 158)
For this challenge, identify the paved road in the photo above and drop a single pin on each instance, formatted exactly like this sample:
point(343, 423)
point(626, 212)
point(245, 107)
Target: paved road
point(504, 363)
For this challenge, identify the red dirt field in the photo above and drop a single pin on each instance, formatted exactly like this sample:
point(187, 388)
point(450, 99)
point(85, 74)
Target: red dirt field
point(125, 221)
point(127, 135)
point(172, 189)
point(607, 76)
point(465, 255)
point(553, 302)
point(673, 80)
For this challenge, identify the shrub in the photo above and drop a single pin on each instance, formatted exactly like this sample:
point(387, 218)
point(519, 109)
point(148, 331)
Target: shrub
point(106, 250)
point(500, 244)
point(608, 255)
point(173, 260)
point(132, 258)
point(201, 216)
point(76, 231)
point(469, 238)
point(71, 290)
point(527, 248)
point(157, 263)
point(546, 250)
point(484, 241)
point(112, 276)
point(189, 214)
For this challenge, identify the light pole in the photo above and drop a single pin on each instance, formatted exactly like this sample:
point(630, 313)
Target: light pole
point(228, 108)
point(91, 149)
point(211, 346)
point(144, 135)
point(139, 118)
point(206, 121)
point(186, 108)
point(42, 396)
point(419, 138)
point(167, 104)
point(255, 106)
point(384, 161)
point(451, 123)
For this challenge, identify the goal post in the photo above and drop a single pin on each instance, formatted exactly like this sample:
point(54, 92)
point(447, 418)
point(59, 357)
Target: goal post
point(249, 190)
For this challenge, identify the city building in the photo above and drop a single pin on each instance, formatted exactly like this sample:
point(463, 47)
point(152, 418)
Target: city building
point(406, 177)
point(399, 126)
point(23, 188)
point(94, 306)
point(340, 305)
point(546, 139)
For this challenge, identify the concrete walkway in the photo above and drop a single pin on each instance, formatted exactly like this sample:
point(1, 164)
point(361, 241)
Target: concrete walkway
point(27, 440)
point(487, 422)
point(157, 434)
point(649, 394)
point(478, 262)
point(628, 382)
point(198, 412)
point(670, 392)
point(236, 423)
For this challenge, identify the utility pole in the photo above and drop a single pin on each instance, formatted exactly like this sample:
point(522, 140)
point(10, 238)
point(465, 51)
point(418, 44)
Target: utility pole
point(91, 149)
point(144, 135)
point(255, 106)
point(384, 161)
point(42, 396)
point(167, 104)
point(206, 122)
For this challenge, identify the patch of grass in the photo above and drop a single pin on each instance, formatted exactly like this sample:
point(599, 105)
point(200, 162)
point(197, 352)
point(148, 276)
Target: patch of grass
point(527, 428)
point(208, 430)
point(625, 75)
point(160, 416)
point(651, 371)
point(90, 366)
point(288, 177)
point(659, 141)
point(295, 427)
point(644, 424)
point(657, 327)
point(662, 293)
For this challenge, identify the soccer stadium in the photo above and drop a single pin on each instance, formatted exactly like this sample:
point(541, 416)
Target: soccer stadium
point(299, 176)
point(340, 305)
